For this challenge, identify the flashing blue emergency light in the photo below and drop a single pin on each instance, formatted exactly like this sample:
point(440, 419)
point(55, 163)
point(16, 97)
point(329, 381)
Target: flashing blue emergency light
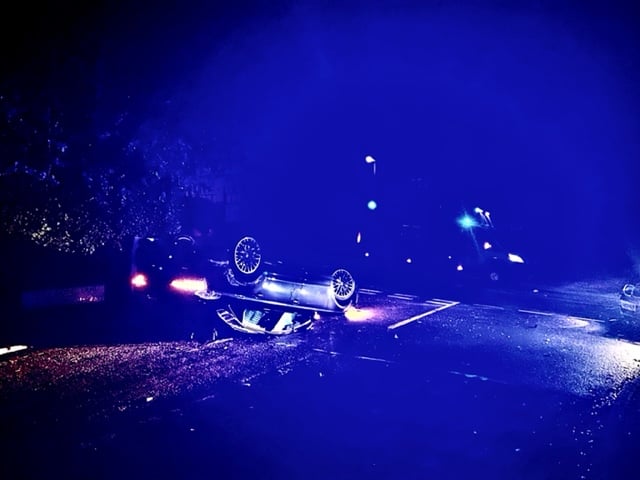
point(467, 222)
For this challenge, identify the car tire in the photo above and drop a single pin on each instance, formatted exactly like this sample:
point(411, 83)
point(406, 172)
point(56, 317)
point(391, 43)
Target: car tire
point(343, 287)
point(246, 259)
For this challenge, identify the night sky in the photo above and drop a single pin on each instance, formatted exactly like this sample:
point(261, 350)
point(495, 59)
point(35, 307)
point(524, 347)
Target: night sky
point(531, 109)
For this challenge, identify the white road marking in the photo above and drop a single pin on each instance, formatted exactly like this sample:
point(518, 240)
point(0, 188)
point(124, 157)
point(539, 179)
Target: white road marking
point(373, 359)
point(494, 307)
point(12, 349)
point(441, 300)
point(369, 291)
point(537, 312)
point(402, 296)
point(569, 317)
point(470, 375)
point(438, 302)
point(360, 357)
point(328, 352)
point(422, 315)
point(482, 378)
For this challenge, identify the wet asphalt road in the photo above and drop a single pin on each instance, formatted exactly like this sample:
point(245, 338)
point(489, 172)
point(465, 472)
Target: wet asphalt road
point(531, 386)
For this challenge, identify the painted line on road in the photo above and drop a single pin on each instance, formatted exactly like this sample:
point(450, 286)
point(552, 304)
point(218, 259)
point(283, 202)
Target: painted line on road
point(373, 359)
point(360, 357)
point(12, 349)
point(538, 312)
point(438, 302)
point(441, 301)
point(402, 296)
point(328, 352)
point(422, 315)
point(469, 375)
point(475, 376)
point(369, 291)
point(569, 317)
point(494, 307)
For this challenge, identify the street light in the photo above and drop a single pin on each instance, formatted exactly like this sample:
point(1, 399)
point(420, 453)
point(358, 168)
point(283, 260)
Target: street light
point(371, 161)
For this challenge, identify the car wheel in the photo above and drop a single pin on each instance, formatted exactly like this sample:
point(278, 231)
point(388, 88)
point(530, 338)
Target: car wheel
point(247, 258)
point(343, 286)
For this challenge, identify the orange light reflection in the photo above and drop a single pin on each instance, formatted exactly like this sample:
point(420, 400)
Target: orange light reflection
point(354, 314)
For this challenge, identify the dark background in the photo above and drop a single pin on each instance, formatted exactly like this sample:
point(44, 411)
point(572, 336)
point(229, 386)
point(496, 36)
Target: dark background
point(529, 109)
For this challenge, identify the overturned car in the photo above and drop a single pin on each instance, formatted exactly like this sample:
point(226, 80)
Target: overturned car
point(248, 292)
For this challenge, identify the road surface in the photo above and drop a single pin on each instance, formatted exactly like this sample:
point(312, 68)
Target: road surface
point(532, 386)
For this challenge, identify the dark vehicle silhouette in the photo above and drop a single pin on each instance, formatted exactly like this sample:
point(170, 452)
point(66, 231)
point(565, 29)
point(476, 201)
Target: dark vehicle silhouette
point(443, 248)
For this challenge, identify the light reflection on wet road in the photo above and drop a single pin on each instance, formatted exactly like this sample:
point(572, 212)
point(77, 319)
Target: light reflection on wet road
point(509, 390)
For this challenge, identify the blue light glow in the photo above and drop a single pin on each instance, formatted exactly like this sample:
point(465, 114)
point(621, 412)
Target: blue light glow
point(372, 205)
point(467, 222)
